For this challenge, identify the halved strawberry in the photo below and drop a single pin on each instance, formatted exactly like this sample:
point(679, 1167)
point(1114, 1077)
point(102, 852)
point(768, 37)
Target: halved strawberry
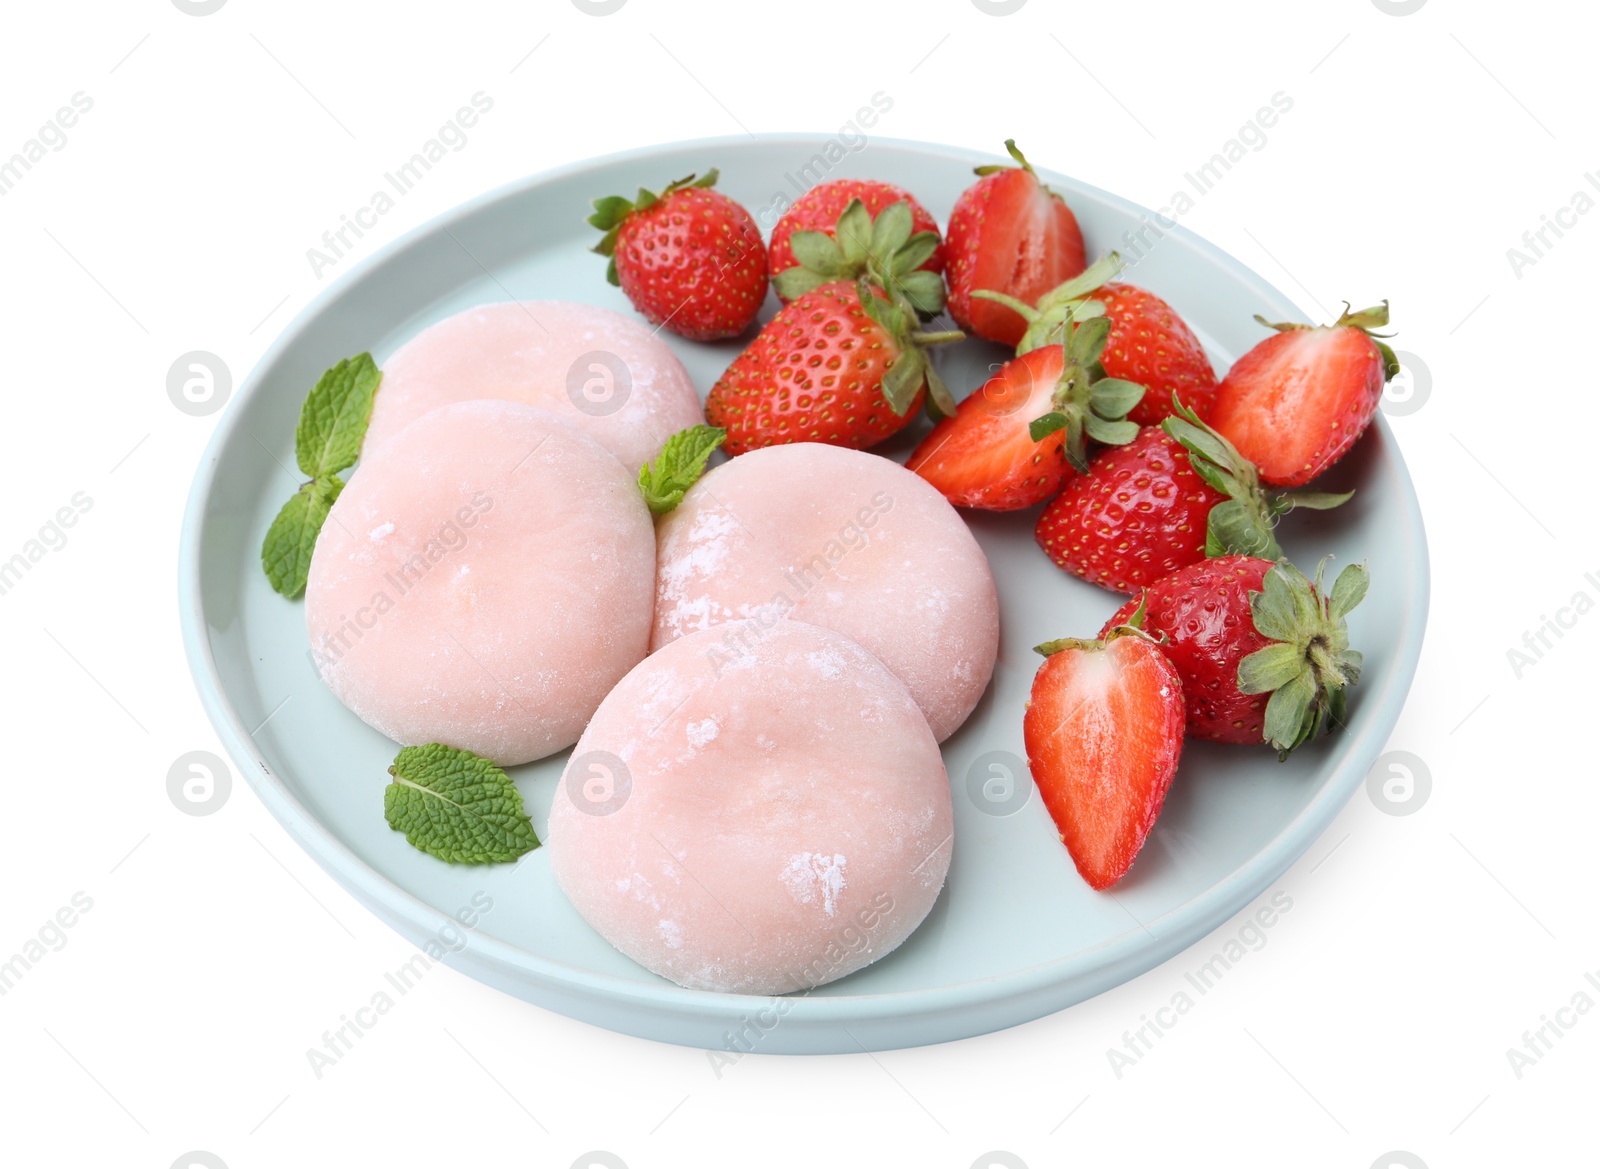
point(1298, 401)
point(821, 208)
point(1149, 343)
point(1008, 233)
point(1263, 652)
point(1104, 731)
point(842, 364)
point(1013, 443)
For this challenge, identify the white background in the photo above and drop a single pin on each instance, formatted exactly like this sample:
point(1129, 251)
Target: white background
point(177, 217)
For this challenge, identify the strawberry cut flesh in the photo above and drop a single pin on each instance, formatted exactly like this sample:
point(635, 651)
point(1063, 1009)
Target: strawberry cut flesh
point(984, 457)
point(1104, 731)
point(1016, 237)
point(1297, 401)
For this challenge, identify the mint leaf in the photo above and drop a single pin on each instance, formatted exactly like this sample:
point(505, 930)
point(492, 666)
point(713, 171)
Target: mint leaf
point(334, 419)
point(327, 439)
point(682, 461)
point(286, 552)
point(457, 806)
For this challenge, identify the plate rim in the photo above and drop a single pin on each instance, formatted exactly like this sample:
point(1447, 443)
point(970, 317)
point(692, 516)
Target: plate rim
point(811, 1022)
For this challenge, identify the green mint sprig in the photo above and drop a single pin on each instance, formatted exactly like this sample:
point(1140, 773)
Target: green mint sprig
point(457, 806)
point(667, 478)
point(327, 440)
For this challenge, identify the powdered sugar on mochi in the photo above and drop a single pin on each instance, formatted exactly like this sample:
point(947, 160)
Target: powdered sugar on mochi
point(482, 581)
point(807, 837)
point(524, 352)
point(844, 539)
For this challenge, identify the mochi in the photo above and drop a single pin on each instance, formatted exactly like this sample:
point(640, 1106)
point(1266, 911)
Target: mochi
point(844, 539)
point(761, 821)
point(482, 581)
point(607, 375)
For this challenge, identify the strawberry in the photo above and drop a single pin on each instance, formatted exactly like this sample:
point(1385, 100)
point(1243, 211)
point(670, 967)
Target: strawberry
point(821, 209)
point(890, 250)
point(1008, 233)
point(1149, 343)
point(1297, 401)
point(690, 259)
point(1103, 731)
point(839, 365)
point(1014, 442)
point(1263, 654)
point(1138, 514)
point(1173, 496)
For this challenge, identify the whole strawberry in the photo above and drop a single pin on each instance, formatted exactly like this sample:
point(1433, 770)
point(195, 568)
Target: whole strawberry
point(820, 210)
point(842, 364)
point(1137, 515)
point(690, 259)
point(887, 248)
point(1015, 440)
point(1149, 342)
point(1173, 496)
point(1299, 400)
point(1008, 233)
point(1263, 654)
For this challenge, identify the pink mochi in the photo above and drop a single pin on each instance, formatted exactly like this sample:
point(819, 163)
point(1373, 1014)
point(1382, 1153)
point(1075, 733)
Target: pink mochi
point(759, 822)
point(843, 539)
point(483, 581)
point(597, 370)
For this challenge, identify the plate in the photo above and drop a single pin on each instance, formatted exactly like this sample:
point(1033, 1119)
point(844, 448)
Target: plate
point(1016, 934)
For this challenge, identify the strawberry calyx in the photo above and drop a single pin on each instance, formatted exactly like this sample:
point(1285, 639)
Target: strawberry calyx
point(1309, 664)
point(1047, 318)
point(1086, 403)
point(1364, 320)
point(882, 249)
point(1132, 627)
point(1243, 523)
point(612, 211)
point(913, 369)
point(995, 168)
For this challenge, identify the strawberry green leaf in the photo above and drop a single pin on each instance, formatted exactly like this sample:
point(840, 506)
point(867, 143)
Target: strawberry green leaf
point(667, 478)
point(854, 233)
point(1114, 431)
point(1313, 500)
point(1348, 589)
point(903, 380)
point(818, 251)
point(1088, 341)
point(924, 290)
point(1310, 664)
point(292, 536)
point(1044, 426)
point(1365, 319)
point(940, 402)
point(1234, 529)
point(1291, 713)
point(1391, 363)
point(609, 211)
point(917, 251)
point(1113, 397)
point(1269, 668)
point(891, 230)
point(457, 806)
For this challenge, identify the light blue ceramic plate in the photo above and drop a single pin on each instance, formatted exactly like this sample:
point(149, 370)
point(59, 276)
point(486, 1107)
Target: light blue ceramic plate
point(1016, 933)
